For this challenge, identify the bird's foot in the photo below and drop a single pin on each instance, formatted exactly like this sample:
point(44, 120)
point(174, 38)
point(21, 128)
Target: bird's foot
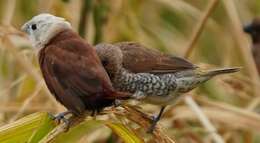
point(153, 118)
point(61, 116)
point(67, 124)
point(95, 112)
point(154, 121)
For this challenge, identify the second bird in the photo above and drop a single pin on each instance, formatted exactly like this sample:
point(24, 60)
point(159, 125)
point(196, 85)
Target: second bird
point(253, 29)
point(150, 75)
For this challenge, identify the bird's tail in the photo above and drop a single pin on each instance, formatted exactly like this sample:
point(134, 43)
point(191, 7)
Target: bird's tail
point(191, 80)
point(215, 72)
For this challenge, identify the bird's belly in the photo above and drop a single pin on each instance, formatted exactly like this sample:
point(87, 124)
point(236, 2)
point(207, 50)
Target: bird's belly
point(162, 100)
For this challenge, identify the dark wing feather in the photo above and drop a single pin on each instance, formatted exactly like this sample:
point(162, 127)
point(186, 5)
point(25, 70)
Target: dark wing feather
point(137, 58)
point(74, 75)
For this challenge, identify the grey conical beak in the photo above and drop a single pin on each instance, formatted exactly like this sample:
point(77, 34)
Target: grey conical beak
point(24, 28)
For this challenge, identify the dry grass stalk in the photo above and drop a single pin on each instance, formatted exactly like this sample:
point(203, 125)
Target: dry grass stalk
point(27, 102)
point(45, 5)
point(204, 120)
point(243, 45)
point(51, 136)
point(12, 85)
point(28, 67)
point(188, 100)
point(231, 119)
point(9, 12)
point(231, 108)
point(9, 108)
point(130, 113)
point(199, 28)
point(144, 121)
point(6, 41)
point(253, 104)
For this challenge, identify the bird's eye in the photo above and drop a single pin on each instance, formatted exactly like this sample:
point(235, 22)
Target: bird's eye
point(34, 27)
point(104, 62)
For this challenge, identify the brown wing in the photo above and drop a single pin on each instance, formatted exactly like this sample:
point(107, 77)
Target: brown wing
point(137, 58)
point(75, 76)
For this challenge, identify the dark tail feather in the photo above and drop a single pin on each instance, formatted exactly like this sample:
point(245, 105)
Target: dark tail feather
point(222, 71)
point(119, 95)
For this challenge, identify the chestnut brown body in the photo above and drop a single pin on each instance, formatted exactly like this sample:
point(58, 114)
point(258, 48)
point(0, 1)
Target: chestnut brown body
point(74, 74)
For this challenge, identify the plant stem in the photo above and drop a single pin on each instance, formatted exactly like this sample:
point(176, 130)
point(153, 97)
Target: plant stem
point(199, 28)
point(191, 45)
point(8, 12)
point(243, 46)
point(100, 17)
point(203, 119)
point(85, 10)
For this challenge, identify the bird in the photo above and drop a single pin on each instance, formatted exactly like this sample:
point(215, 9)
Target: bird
point(150, 75)
point(70, 66)
point(253, 29)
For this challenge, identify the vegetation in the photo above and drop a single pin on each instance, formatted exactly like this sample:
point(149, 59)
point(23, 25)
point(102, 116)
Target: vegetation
point(207, 32)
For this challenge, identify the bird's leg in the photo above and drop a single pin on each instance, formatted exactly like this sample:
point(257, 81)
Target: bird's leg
point(155, 120)
point(61, 117)
point(94, 113)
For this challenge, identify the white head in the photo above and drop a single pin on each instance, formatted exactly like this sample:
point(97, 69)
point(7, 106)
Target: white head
point(43, 27)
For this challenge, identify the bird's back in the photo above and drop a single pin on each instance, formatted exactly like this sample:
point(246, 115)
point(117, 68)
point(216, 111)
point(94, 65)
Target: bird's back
point(137, 58)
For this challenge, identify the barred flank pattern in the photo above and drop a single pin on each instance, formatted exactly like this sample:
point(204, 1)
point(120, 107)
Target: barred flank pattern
point(158, 85)
point(149, 84)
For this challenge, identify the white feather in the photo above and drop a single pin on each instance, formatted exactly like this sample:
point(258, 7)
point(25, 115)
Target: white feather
point(47, 27)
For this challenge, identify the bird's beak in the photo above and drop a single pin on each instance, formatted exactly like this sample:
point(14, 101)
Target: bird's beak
point(24, 28)
point(248, 28)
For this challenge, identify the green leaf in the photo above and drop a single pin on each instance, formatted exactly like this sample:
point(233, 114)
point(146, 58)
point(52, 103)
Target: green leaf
point(77, 132)
point(28, 129)
point(32, 128)
point(87, 127)
point(125, 134)
point(47, 124)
